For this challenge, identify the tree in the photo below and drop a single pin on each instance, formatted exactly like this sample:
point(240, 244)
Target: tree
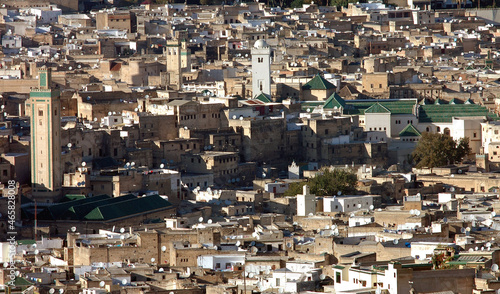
point(435, 149)
point(297, 3)
point(327, 183)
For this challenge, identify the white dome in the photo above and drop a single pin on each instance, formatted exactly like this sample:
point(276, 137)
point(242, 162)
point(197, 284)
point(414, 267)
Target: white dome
point(259, 44)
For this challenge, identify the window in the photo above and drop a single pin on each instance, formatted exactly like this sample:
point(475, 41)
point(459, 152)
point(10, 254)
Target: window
point(337, 278)
point(217, 265)
point(277, 282)
point(40, 112)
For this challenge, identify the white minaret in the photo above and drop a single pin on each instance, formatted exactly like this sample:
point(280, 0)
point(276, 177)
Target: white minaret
point(261, 68)
point(306, 203)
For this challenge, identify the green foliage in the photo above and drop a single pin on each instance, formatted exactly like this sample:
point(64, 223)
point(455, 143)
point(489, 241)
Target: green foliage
point(341, 3)
point(436, 149)
point(327, 184)
point(440, 261)
point(296, 3)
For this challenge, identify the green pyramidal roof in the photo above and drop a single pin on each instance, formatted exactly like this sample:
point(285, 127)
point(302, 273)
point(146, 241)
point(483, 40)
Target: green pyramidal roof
point(334, 101)
point(262, 97)
point(409, 131)
point(377, 108)
point(318, 83)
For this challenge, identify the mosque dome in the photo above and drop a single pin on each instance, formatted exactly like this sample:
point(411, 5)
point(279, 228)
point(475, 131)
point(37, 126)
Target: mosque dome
point(260, 44)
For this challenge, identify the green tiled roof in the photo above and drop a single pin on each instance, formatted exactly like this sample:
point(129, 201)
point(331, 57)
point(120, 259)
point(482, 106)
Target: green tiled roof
point(334, 101)
point(56, 211)
point(409, 131)
point(318, 83)
point(78, 212)
point(394, 106)
point(455, 101)
point(439, 102)
point(121, 209)
point(377, 108)
point(69, 197)
point(445, 113)
point(262, 97)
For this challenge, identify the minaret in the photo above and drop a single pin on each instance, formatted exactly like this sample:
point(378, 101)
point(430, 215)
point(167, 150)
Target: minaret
point(45, 122)
point(261, 69)
point(174, 63)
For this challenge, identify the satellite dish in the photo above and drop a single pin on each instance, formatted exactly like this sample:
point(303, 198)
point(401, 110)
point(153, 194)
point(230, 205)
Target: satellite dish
point(462, 230)
point(69, 145)
point(52, 291)
point(153, 259)
point(241, 117)
point(161, 270)
point(234, 116)
point(352, 215)
point(209, 221)
point(395, 241)
point(73, 229)
point(417, 212)
point(251, 275)
point(84, 163)
point(162, 165)
point(467, 229)
point(238, 243)
point(359, 205)
point(122, 230)
point(445, 220)
point(494, 267)
point(124, 282)
point(339, 193)
point(289, 245)
point(122, 237)
point(471, 249)
point(322, 276)
point(37, 251)
point(488, 245)
point(254, 250)
point(281, 290)
point(200, 219)
point(493, 214)
point(102, 283)
point(61, 290)
point(163, 248)
point(327, 227)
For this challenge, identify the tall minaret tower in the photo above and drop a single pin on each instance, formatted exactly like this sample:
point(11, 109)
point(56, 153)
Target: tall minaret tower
point(174, 63)
point(45, 122)
point(261, 68)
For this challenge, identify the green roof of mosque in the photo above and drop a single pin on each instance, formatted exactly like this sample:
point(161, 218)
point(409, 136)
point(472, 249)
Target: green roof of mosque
point(394, 106)
point(56, 211)
point(409, 131)
point(70, 197)
point(334, 101)
point(78, 212)
point(455, 101)
point(439, 102)
point(377, 108)
point(469, 101)
point(318, 83)
point(445, 113)
point(263, 97)
point(128, 208)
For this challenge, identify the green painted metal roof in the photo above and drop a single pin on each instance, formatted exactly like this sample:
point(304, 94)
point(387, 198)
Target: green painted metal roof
point(377, 108)
point(409, 131)
point(334, 101)
point(445, 113)
point(121, 209)
point(26, 242)
point(318, 83)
